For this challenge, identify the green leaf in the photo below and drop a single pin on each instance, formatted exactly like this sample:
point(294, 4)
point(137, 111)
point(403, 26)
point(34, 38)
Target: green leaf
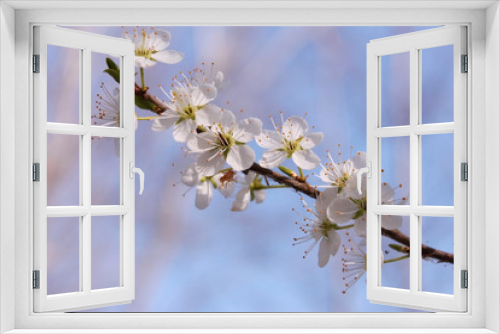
point(111, 64)
point(144, 104)
point(115, 74)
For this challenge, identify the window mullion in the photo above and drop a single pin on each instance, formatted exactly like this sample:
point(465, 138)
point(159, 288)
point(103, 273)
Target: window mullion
point(415, 170)
point(86, 232)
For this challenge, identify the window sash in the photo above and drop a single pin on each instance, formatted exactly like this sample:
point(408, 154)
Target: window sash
point(86, 297)
point(413, 43)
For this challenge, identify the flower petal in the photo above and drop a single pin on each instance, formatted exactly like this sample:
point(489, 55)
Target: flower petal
point(159, 39)
point(324, 201)
point(359, 160)
point(218, 80)
point(204, 194)
point(272, 158)
point(295, 127)
point(387, 193)
point(270, 140)
point(342, 210)
point(144, 62)
point(209, 90)
point(240, 157)
point(164, 122)
point(226, 189)
point(209, 163)
point(260, 195)
point(168, 56)
point(360, 226)
point(306, 159)
point(202, 142)
point(190, 176)
point(184, 130)
point(227, 119)
point(392, 222)
point(311, 140)
point(328, 247)
point(247, 129)
point(242, 200)
point(208, 115)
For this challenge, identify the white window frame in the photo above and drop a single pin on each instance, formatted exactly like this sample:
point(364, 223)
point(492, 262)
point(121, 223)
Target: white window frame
point(86, 44)
point(413, 44)
point(483, 21)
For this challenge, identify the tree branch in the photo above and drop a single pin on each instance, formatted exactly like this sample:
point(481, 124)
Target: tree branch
point(307, 189)
point(160, 107)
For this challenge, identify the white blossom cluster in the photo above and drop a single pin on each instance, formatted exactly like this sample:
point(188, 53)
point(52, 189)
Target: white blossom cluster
point(219, 142)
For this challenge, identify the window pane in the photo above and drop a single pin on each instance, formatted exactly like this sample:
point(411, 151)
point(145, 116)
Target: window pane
point(395, 95)
point(63, 255)
point(396, 263)
point(437, 232)
point(437, 84)
point(106, 171)
point(437, 169)
point(63, 169)
point(105, 91)
point(63, 84)
point(395, 170)
point(105, 252)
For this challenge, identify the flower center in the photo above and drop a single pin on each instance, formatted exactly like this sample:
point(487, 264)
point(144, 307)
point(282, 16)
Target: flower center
point(189, 112)
point(224, 141)
point(291, 146)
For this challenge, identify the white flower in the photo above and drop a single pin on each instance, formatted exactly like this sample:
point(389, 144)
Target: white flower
point(108, 112)
point(292, 140)
point(205, 186)
point(344, 209)
point(224, 140)
point(187, 97)
point(321, 229)
point(354, 263)
point(185, 104)
point(339, 174)
point(249, 192)
point(150, 47)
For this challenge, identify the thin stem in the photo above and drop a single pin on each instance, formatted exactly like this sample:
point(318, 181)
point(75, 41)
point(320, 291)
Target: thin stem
point(338, 228)
point(277, 186)
point(142, 79)
point(150, 118)
point(301, 173)
point(397, 259)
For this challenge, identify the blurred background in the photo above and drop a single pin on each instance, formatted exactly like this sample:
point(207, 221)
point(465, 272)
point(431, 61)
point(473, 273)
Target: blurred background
point(216, 260)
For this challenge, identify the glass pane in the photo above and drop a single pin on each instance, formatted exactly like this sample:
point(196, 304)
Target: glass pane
point(63, 255)
point(105, 171)
point(395, 86)
point(105, 91)
point(437, 232)
point(63, 170)
point(105, 252)
point(437, 84)
point(395, 263)
point(63, 84)
point(437, 169)
point(395, 170)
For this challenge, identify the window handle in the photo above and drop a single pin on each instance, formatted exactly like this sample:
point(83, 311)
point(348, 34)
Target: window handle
point(135, 170)
point(359, 176)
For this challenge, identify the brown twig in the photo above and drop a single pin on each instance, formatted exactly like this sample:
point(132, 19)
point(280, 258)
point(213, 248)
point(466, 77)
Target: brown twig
point(160, 107)
point(307, 189)
point(427, 251)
